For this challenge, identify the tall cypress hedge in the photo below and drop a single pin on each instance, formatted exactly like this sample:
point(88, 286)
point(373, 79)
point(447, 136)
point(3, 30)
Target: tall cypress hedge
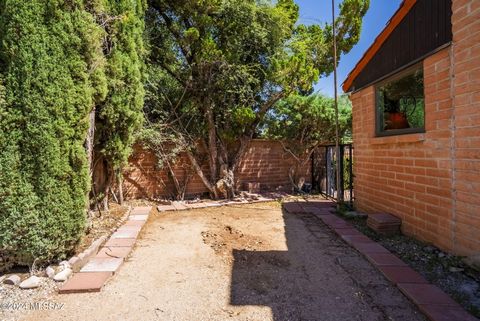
point(51, 76)
point(121, 114)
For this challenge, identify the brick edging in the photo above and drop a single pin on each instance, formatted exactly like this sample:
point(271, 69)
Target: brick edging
point(79, 260)
point(180, 206)
point(429, 299)
point(106, 258)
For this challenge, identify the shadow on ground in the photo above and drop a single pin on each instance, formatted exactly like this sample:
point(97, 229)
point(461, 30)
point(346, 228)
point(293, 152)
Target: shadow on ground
point(317, 278)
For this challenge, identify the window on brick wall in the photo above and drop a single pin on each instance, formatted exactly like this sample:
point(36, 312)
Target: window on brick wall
point(400, 103)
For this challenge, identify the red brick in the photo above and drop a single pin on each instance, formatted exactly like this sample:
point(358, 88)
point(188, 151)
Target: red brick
point(401, 274)
point(85, 282)
point(446, 313)
point(114, 252)
point(370, 248)
point(120, 242)
point(384, 259)
point(426, 294)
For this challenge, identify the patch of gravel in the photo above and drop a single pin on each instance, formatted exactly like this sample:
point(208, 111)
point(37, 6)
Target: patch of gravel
point(14, 302)
point(446, 271)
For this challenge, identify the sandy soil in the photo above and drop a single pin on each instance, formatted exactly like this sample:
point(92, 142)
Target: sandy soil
point(250, 262)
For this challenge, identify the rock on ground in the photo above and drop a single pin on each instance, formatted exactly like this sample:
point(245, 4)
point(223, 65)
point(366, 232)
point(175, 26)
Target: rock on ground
point(12, 280)
point(63, 275)
point(31, 283)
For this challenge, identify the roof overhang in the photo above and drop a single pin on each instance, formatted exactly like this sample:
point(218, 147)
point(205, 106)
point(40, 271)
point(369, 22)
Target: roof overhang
point(402, 11)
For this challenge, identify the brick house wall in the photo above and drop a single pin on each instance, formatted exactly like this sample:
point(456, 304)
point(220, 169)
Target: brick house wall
point(430, 180)
point(264, 162)
point(466, 100)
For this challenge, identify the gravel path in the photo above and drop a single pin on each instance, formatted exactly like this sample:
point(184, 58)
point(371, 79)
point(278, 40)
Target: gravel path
point(249, 262)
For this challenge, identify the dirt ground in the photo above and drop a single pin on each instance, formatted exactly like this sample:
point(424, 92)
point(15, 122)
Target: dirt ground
point(250, 262)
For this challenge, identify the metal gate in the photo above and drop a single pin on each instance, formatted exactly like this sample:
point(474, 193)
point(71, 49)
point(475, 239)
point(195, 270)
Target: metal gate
point(324, 172)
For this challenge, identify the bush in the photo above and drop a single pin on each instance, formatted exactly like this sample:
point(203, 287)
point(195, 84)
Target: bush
point(48, 50)
point(120, 116)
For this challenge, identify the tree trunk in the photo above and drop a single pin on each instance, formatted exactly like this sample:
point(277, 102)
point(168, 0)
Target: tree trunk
point(89, 145)
point(199, 171)
point(108, 184)
point(176, 183)
point(244, 142)
point(212, 145)
point(120, 188)
point(90, 141)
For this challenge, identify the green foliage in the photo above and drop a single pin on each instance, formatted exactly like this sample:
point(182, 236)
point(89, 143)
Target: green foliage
point(120, 115)
point(221, 65)
point(309, 120)
point(48, 58)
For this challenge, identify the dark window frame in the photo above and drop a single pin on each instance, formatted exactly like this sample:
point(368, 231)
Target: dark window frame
point(379, 132)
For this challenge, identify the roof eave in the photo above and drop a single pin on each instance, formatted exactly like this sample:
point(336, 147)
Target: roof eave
point(401, 12)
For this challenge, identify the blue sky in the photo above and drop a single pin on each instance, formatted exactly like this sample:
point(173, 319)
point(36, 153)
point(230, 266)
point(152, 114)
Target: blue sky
point(315, 11)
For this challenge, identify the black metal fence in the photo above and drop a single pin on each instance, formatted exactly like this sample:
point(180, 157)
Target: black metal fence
point(324, 172)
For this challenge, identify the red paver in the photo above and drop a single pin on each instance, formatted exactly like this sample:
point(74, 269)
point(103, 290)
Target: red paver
point(293, 208)
point(336, 223)
point(125, 233)
point(102, 265)
point(318, 211)
point(322, 204)
point(85, 282)
point(212, 204)
point(120, 242)
point(446, 313)
point(351, 239)
point(384, 259)
point(134, 223)
point(341, 226)
point(141, 210)
point(332, 219)
point(180, 206)
point(125, 227)
point(196, 205)
point(165, 208)
point(383, 218)
point(348, 232)
point(426, 294)
point(114, 252)
point(402, 274)
point(372, 247)
point(138, 217)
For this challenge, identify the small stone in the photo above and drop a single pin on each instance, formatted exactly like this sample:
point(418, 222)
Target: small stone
point(30, 283)
point(64, 265)
point(75, 263)
point(441, 255)
point(82, 256)
point(50, 272)
point(455, 269)
point(473, 262)
point(429, 249)
point(12, 280)
point(63, 275)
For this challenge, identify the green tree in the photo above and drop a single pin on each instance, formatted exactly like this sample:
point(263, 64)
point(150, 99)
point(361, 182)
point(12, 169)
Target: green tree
point(120, 115)
point(50, 63)
point(223, 64)
point(302, 123)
